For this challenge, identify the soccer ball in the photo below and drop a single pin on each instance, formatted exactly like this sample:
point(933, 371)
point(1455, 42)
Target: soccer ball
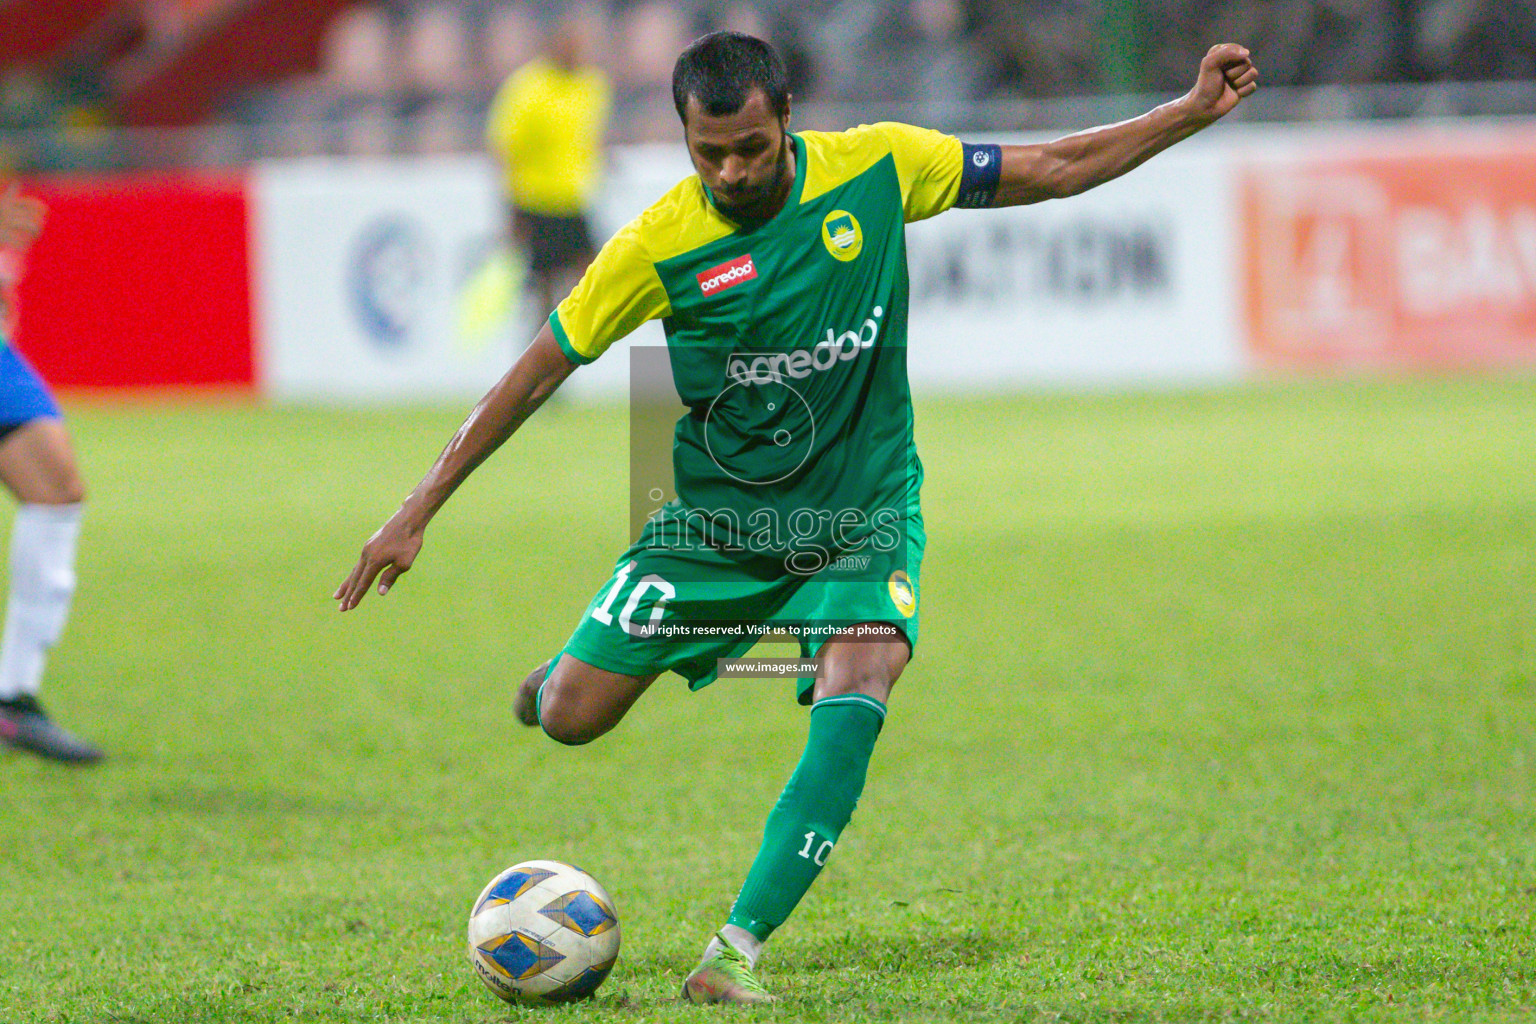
point(543, 932)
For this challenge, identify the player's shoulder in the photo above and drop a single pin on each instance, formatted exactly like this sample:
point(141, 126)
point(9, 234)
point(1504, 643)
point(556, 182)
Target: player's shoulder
point(534, 77)
point(680, 221)
point(594, 79)
point(851, 142)
point(877, 139)
point(517, 87)
point(534, 69)
point(834, 157)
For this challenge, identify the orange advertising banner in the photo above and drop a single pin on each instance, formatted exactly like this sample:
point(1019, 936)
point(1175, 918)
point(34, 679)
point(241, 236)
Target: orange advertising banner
point(1422, 255)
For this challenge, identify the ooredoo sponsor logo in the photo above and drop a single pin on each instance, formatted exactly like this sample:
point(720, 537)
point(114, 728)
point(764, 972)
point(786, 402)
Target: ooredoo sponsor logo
point(727, 275)
point(751, 368)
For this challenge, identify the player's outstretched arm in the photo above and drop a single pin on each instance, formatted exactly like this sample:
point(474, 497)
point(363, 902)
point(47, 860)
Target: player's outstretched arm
point(389, 552)
point(1078, 162)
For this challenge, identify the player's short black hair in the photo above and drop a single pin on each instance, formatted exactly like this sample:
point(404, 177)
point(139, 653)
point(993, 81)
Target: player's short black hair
point(721, 69)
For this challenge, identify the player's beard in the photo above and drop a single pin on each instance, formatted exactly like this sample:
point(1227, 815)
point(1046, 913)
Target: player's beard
point(763, 201)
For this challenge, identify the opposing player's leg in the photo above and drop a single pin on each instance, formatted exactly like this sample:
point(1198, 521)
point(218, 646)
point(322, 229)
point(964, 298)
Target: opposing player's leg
point(860, 666)
point(37, 465)
point(576, 702)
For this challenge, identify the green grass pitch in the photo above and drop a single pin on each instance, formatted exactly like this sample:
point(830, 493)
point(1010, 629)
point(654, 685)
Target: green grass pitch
point(1224, 710)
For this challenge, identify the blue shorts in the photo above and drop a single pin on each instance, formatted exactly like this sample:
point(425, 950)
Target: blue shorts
point(23, 395)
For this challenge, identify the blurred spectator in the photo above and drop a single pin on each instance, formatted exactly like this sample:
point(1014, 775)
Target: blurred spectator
point(546, 127)
point(358, 52)
point(417, 74)
point(1476, 40)
point(762, 20)
point(946, 67)
point(1299, 42)
point(436, 49)
point(509, 39)
point(1044, 48)
point(923, 52)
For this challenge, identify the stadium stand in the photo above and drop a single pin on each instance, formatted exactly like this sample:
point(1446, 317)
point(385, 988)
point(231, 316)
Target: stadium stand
point(354, 76)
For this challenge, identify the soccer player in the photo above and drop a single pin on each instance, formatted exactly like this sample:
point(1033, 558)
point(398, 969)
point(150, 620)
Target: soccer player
point(37, 464)
point(779, 273)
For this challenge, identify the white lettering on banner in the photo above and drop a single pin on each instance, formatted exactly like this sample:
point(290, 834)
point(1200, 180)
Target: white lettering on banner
point(1084, 262)
point(1314, 242)
point(1479, 254)
point(1130, 282)
point(1413, 259)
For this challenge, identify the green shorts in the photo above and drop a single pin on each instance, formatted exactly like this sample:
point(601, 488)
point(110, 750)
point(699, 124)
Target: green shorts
point(682, 608)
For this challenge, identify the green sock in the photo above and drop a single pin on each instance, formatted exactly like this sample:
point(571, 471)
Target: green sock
point(811, 812)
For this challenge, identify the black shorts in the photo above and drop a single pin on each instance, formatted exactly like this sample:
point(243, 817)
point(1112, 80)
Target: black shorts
point(553, 242)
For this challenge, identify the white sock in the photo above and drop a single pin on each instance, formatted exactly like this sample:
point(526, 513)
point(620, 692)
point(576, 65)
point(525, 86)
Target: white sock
point(745, 943)
point(42, 583)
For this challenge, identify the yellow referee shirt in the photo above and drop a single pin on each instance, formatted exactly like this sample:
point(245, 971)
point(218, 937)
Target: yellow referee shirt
point(546, 125)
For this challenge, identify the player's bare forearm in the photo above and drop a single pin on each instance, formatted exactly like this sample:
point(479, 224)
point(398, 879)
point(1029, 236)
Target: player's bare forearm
point(1082, 161)
point(1078, 162)
point(536, 375)
point(391, 551)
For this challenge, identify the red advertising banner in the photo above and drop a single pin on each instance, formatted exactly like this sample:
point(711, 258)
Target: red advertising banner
point(1422, 256)
point(139, 281)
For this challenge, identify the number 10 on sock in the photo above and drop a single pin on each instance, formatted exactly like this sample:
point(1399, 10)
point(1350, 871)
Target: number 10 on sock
point(822, 851)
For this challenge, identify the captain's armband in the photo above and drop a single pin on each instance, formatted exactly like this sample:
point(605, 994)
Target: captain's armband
point(980, 175)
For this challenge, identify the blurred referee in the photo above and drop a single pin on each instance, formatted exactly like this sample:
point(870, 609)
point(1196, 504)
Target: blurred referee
point(546, 127)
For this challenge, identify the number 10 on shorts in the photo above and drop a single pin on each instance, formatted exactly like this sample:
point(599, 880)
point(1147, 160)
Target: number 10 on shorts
point(604, 612)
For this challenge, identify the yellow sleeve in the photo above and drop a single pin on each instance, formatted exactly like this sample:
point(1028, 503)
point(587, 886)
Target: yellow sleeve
point(929, 165)
point(619, 292)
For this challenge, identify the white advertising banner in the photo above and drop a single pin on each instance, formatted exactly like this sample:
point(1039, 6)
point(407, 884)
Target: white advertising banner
point(389, 279)
point(366, 273)
point(1132, 282)
point(382, 279)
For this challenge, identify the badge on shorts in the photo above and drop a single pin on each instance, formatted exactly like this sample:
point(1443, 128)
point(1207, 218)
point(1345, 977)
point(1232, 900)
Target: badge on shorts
point(902, 594)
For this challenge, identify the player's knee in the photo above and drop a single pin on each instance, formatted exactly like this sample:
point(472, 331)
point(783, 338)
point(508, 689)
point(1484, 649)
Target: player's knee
point(867, 664)
point(868, 684)
point(74, 489)
point(567, 721)
point(575, 739)
point(870, 678)
point(571, 734)
point(67, 490)
point(60, 487)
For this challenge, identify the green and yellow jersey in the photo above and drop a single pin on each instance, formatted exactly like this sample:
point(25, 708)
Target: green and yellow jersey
point(787, 339)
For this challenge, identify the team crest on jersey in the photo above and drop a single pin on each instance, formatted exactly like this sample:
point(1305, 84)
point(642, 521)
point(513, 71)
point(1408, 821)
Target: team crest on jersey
point(841, 234)
point(727, 275)
point(902, 594)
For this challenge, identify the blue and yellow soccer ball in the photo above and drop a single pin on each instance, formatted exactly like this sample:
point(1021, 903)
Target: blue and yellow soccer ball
point(543, 932)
